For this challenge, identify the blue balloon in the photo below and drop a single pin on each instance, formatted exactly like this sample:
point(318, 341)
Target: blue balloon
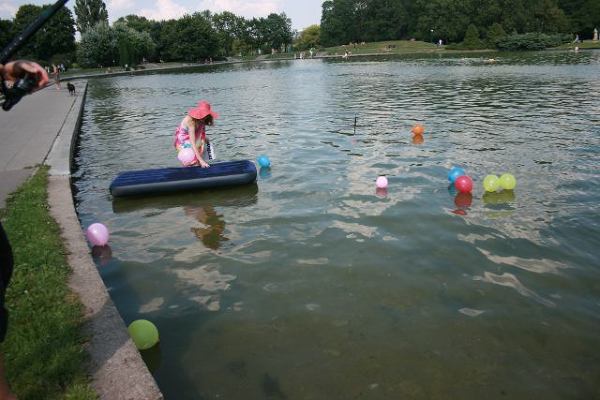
point(455, 172)
point(264, 161)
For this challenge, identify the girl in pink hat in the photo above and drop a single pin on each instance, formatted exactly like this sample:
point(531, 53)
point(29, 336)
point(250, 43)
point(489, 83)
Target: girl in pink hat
point(190, 136)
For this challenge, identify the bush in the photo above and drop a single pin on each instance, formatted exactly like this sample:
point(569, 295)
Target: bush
point(494, 34)
point(471, 41)
point(531, 41)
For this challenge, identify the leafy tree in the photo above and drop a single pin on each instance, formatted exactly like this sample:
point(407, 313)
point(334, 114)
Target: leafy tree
point(230, 30)
point(132, 46)
point(89, 13)
point(276, 30)
point(472, 40)
point(308, 38)
point(546, 17)
point(582, 16)
point(337, 22)
point(494, 34)
point(144, 25)
point(57, 36)
point(384, 20)
point(98, 46)
point(6, 33)
point(140, 24)
point(190, 38)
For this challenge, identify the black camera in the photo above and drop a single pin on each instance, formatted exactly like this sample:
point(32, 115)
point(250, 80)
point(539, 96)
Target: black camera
point(13, 94)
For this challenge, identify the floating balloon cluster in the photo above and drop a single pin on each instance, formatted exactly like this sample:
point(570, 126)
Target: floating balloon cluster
point(461, 181)
point(491, 183)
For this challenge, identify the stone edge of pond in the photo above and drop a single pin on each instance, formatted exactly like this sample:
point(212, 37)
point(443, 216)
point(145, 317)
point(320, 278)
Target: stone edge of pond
point(116, 366)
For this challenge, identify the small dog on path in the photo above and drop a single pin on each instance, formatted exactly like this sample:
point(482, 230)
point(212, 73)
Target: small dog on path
point(71, 88)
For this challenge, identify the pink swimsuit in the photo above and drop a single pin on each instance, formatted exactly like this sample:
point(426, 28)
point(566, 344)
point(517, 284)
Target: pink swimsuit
point(181, 139)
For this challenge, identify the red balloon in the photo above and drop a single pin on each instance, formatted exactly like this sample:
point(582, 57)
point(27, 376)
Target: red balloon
point(464, 184)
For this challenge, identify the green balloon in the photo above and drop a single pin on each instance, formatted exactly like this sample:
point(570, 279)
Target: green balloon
point(508, 182)
point(143, 333)
point(491, 183)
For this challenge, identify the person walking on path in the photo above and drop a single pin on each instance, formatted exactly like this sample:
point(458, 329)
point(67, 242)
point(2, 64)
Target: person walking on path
point(56, 74)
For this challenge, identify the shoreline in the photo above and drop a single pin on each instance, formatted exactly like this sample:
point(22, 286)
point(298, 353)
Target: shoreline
point(185, 66)
point(116, 366)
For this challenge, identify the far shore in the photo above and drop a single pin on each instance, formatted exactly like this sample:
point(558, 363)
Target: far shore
point(378, 49)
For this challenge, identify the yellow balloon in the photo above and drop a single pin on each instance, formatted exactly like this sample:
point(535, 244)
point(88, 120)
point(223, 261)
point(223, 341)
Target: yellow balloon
point(143, 333)
point(508, 182)
point(491, 183)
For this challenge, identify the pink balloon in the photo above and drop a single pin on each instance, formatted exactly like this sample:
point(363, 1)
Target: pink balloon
point(464, 184)
point(381, 182)
point(186, 156)
point(97, 234)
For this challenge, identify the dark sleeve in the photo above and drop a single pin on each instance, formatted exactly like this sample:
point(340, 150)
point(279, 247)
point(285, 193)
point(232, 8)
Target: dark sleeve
point(6, 259)
point(6, 268)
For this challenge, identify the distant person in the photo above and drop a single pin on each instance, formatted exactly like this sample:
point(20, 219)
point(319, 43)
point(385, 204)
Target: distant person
point(191, 135)
point(440, 42)
point(56, 74)
point(11, 73)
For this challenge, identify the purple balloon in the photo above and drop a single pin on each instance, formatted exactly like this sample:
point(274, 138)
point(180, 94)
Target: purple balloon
point(97, 234)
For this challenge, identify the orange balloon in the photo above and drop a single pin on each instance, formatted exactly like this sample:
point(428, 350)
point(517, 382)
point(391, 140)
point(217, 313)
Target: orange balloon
point(418, 129)
point(418, 139)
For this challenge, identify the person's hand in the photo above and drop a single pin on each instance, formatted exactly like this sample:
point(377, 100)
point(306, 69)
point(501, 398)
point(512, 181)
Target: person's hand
point(204, 164)
point(15, 70)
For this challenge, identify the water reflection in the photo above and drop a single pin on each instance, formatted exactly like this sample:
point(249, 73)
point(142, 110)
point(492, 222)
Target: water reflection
point(204, 285)
point(315, 277)
point(510, 280)
point(381, 192)
point(418, 139)
point(499, 204)
point(265, 173)
point(212, 233)
point(502, 197)
point(102, 254)
point(240, 196)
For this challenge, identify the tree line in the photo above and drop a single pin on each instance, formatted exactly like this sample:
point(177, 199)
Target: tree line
point(347, 21)
point(131, 39)
point(505, 24)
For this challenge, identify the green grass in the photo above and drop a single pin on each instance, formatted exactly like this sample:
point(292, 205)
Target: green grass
point(44, 353)
point(387, 47)
point(588, 44)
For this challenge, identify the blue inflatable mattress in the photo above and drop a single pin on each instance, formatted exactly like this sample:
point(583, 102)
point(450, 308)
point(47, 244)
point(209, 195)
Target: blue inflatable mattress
point(167, 180)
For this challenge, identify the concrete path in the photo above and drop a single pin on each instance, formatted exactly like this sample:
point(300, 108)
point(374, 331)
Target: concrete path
point(42, 129)
point(27, 133)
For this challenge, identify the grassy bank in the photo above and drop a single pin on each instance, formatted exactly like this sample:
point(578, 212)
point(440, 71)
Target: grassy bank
point(588, 44)
point(44, 351)
point(387, 47)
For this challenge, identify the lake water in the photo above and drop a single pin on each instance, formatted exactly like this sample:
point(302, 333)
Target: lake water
point(312, 285)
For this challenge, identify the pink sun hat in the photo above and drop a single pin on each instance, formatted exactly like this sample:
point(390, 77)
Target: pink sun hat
point(202, 110)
